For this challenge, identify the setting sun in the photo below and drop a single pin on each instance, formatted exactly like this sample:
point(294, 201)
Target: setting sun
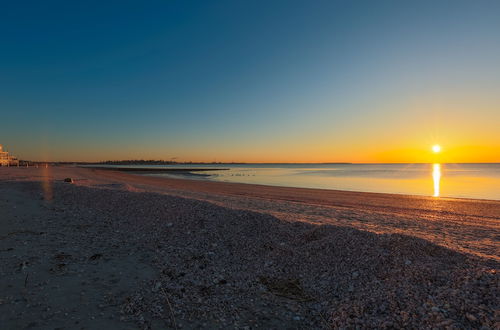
point(436, 148)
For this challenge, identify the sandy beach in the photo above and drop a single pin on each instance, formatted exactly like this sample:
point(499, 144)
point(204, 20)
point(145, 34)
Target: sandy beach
point(124, 251)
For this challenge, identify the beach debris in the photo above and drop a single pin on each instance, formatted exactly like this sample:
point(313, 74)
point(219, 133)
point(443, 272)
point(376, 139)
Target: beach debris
point(62, 256)
point(22, 232)
point(59, 269)
point(96, 256)
point(445, 323)
point(470, 317)
point(156, 287)
point(171, 310)
point(23, 265)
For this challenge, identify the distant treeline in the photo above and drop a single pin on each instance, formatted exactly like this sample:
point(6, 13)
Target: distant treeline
point(152, 162)
point(170, 162)
point(136, 162)
point(149, 162)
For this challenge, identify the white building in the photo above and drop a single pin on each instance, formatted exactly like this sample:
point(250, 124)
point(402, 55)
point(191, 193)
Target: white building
point(6, 159)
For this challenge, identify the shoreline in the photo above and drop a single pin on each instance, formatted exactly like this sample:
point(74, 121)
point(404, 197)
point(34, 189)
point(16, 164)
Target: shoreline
point(125, 251)
point(339, 198)
point(360, 192)
point(407, 186)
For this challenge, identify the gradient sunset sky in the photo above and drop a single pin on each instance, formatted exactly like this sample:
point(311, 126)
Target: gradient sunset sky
point(251, 81)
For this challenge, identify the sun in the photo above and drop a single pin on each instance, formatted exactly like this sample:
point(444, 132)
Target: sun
point(436, 148)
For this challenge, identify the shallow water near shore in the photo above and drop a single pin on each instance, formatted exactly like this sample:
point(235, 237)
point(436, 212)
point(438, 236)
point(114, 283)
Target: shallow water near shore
point(480, 181)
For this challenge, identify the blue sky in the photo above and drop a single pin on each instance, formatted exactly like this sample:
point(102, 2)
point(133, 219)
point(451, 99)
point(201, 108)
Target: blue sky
point(246, 80)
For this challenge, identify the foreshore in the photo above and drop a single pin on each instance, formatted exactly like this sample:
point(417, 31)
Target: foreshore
point(120, 250)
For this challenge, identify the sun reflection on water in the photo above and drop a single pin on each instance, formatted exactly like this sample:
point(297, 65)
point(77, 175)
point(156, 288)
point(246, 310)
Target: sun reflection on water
point(436, 177)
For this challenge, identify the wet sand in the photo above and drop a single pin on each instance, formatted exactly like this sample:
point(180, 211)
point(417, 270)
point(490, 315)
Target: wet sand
point(122, 250)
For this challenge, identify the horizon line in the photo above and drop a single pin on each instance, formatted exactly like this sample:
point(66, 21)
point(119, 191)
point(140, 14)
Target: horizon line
point(236, 163)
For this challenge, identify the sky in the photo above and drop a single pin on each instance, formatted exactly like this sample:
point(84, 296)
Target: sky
point(251, 81)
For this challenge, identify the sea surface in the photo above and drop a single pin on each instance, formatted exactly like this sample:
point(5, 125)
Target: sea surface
point(481, 181)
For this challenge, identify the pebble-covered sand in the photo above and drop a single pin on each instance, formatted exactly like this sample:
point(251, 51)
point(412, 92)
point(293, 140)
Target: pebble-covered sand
point(99, 253)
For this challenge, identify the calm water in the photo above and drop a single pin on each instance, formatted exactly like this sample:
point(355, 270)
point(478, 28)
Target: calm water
point(440, 180)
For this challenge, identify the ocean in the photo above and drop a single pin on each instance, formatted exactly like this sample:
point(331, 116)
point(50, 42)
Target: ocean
point(481, 181)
